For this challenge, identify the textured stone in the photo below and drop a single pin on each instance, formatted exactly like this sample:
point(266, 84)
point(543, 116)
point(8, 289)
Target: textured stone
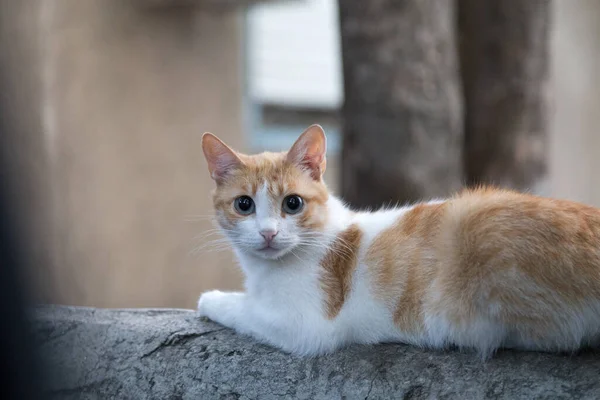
point(171, 354)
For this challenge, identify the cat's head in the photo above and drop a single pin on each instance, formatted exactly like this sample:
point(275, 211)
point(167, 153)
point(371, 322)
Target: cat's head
point(270, 204)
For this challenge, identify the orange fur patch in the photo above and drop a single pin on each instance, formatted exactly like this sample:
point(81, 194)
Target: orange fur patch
point(487, 253)
point(400, 263)
point(338, 267)
point(526, 254)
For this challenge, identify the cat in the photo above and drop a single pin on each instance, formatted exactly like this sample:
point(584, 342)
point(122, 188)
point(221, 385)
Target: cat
point(482, 270)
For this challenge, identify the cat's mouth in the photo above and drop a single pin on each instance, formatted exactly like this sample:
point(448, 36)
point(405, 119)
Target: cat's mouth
point(269, 251)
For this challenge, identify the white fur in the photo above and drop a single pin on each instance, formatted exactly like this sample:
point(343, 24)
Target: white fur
point(284, 304)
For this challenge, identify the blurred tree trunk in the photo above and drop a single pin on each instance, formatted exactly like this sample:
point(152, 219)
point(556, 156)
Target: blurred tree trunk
point(402, 134)
point(504, 63)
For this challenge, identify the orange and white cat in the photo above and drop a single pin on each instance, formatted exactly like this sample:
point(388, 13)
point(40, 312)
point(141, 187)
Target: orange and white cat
point(485, 269)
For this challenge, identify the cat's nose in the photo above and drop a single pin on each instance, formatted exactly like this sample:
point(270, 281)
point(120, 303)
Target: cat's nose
point(268, 234)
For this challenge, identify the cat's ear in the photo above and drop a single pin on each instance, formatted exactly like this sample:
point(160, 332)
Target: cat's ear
point(309, 151)
point(221, 158)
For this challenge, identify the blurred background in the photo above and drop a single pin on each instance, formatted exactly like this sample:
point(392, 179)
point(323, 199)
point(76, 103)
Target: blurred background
point(104, 104)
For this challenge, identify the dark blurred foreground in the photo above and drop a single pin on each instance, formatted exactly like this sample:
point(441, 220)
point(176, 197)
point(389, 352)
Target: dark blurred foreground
point(20, 375)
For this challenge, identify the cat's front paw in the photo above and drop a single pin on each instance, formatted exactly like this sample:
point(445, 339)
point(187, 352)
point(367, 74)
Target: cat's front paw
point(219, 306)
point(208, 303)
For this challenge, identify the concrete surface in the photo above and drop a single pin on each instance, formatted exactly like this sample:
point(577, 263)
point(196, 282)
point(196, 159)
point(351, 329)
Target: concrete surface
point(171, 354)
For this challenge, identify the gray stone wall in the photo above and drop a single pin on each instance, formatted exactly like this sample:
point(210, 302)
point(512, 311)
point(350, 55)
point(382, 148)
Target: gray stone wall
point(171, 354)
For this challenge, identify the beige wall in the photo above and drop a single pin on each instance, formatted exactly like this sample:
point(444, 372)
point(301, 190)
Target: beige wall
point(124, 96)
point(24, 147)
point(134, 92)
point(575, 117)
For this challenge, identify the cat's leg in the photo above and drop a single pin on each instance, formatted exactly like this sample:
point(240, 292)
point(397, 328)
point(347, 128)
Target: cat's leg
point(268, 323)
point(235, 310)
point(225, 308)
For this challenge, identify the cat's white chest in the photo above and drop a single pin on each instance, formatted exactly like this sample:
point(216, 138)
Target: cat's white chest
point(290, 303)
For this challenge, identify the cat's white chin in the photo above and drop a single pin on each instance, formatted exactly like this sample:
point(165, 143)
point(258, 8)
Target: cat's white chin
point(271, 253)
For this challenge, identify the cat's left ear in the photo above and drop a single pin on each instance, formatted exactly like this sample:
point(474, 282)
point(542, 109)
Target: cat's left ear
point(221, 158)
point(308, 152)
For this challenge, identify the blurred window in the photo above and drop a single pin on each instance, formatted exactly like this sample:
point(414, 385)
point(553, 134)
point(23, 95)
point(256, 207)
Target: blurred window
point(295, 71)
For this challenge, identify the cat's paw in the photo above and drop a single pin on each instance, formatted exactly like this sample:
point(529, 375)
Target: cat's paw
point(218, 306)
point(208, 303)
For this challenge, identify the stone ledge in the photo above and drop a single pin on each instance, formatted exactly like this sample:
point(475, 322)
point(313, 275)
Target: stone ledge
point(171, 354)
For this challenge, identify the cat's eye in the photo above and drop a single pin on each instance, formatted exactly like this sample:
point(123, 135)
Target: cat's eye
point(244, 205)
point(293, 204)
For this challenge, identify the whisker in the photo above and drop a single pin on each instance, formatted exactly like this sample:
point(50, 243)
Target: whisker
point(208, 232)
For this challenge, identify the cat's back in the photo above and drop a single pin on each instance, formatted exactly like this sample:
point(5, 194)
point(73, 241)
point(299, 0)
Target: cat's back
point(483, 236)
point(484, 219)
point(481, 219)
point(492, 259)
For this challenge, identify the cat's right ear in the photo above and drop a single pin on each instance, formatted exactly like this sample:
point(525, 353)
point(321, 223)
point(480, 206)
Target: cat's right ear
point(220, 158)
point(309, 150)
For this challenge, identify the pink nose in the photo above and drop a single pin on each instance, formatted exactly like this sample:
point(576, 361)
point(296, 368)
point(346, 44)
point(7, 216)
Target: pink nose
point(268, 235)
